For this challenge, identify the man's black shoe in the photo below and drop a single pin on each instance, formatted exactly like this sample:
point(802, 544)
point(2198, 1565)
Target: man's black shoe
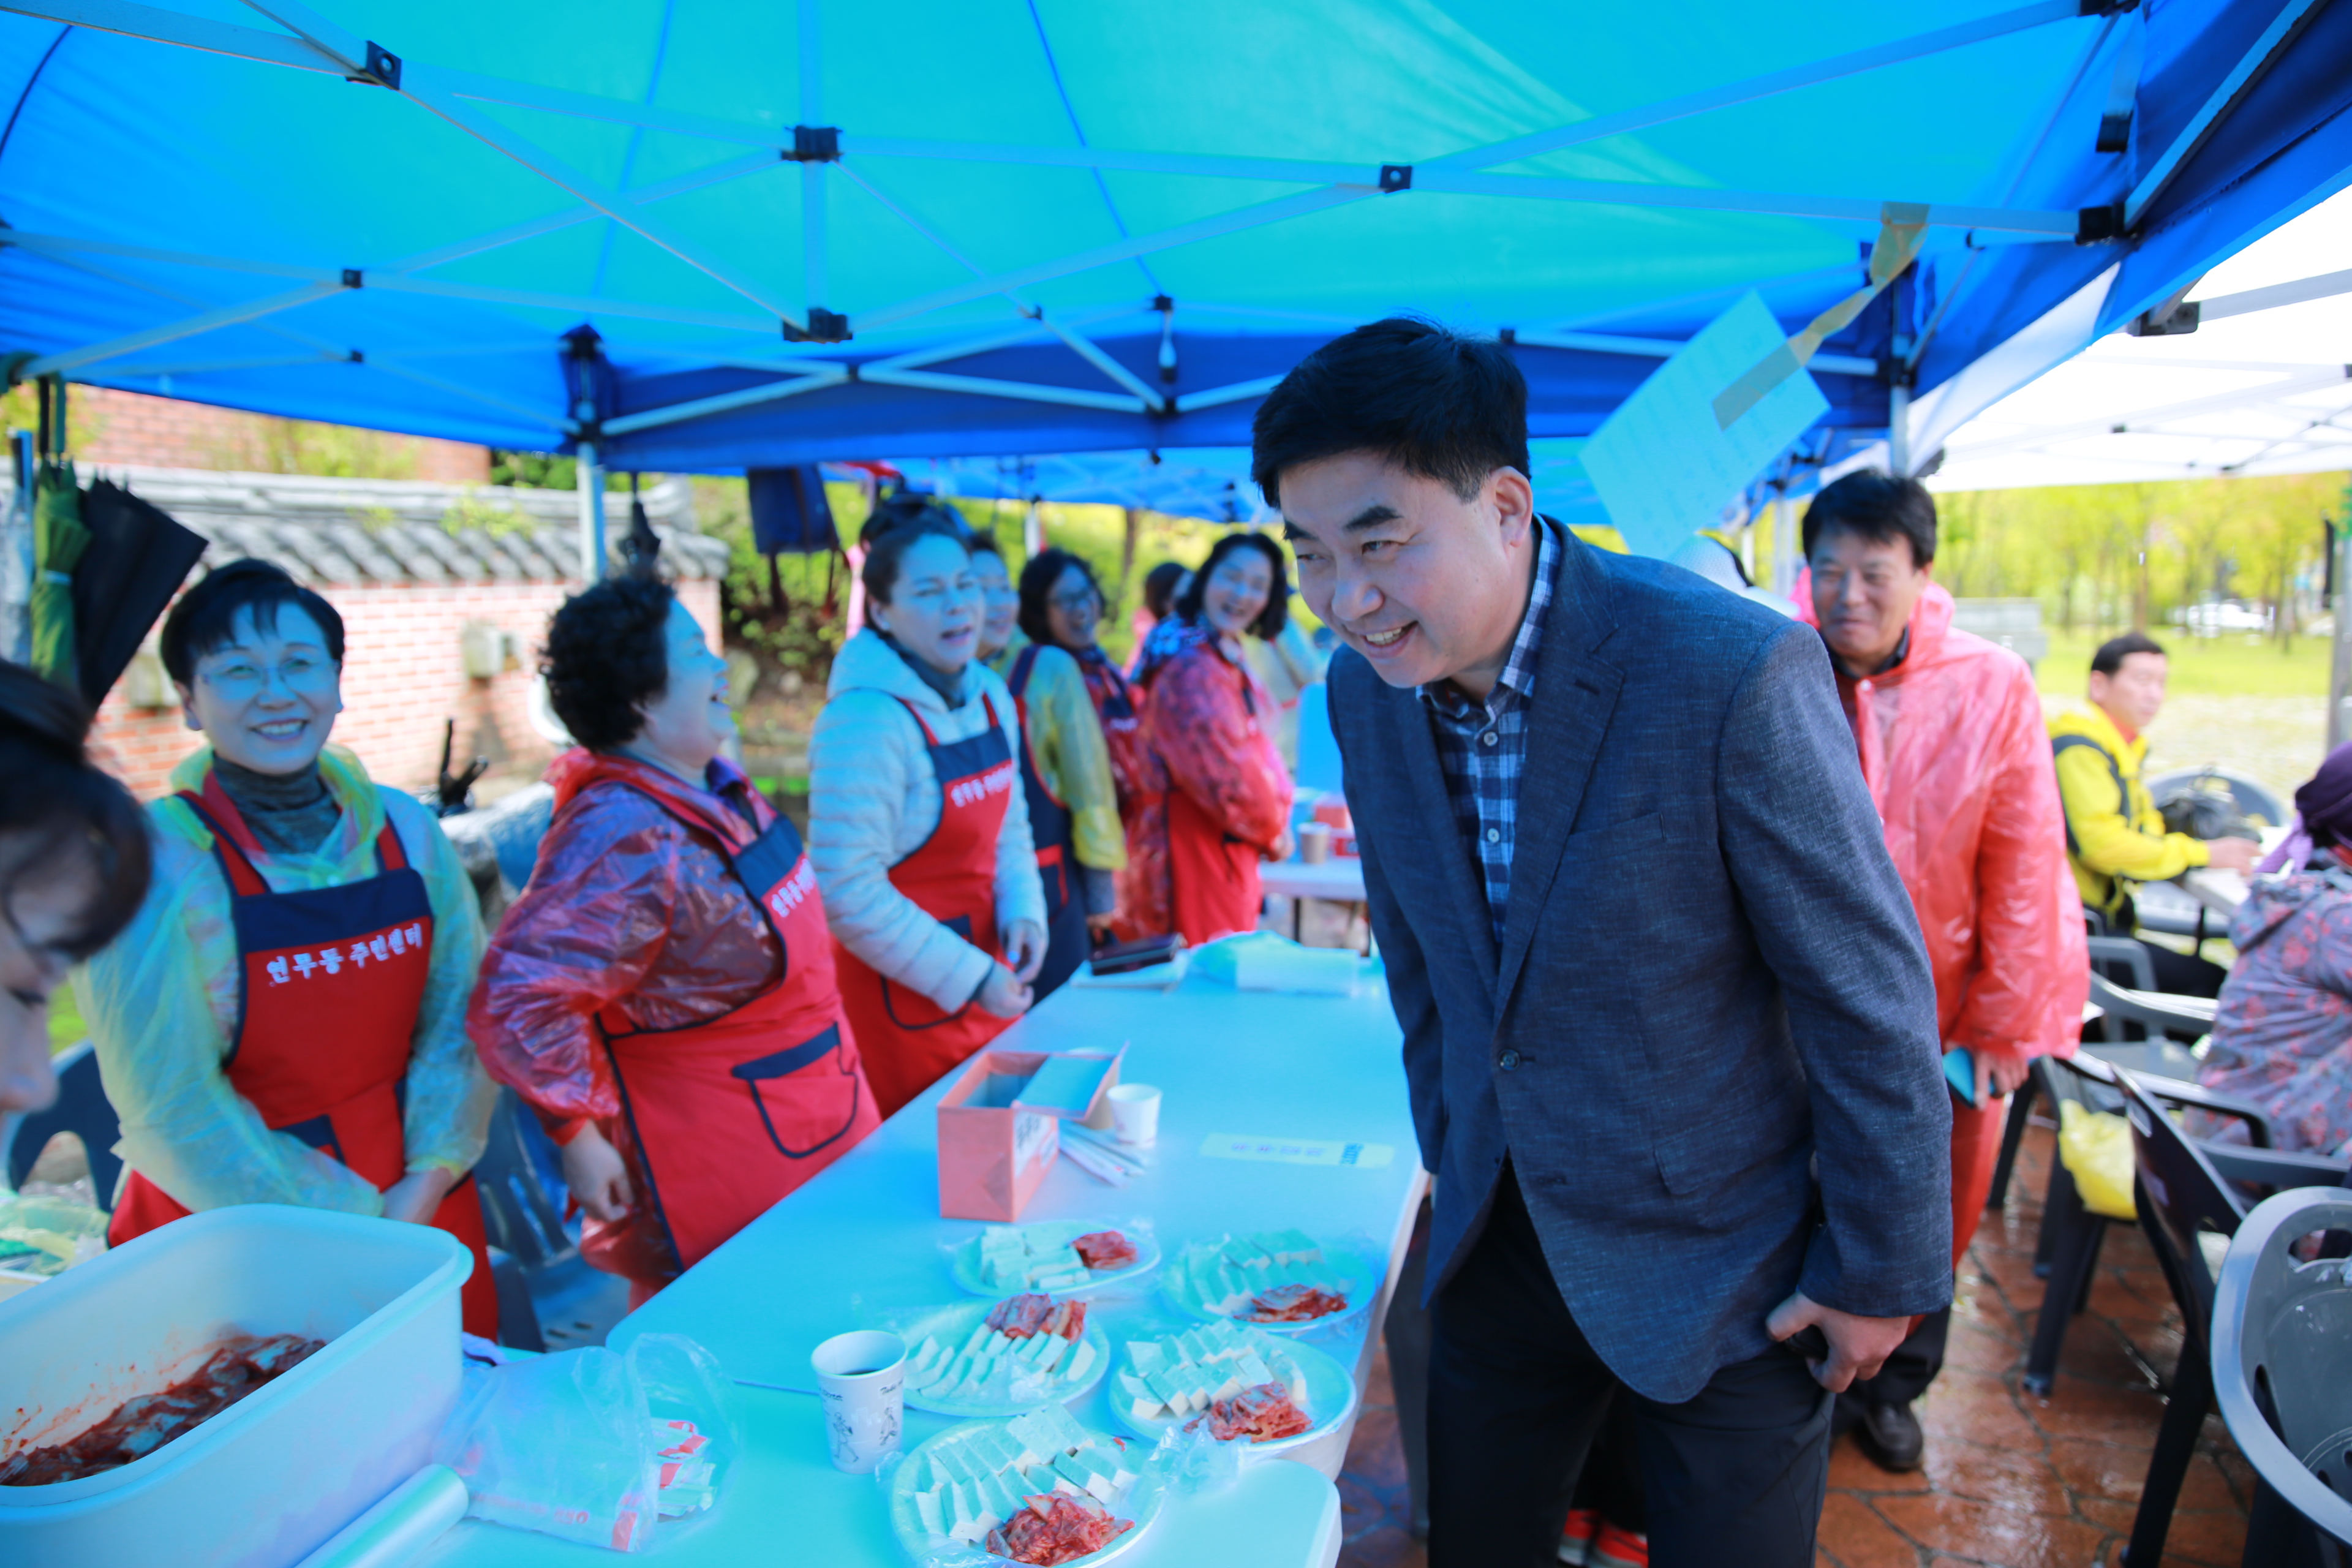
point(1890, 1434)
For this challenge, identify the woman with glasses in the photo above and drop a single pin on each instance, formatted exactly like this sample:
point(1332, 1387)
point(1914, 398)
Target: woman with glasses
point(284, 1020)
point(917, 818)
point(1216, 800)
point(73, 869)
point(1066, 768)
point(663, 994)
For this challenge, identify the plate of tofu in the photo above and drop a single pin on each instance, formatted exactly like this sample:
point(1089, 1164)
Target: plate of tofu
point(1033, 1489)
point(1244, 1385)
point(978, 1358)
point(1284, 1281)
point(1062, 1258)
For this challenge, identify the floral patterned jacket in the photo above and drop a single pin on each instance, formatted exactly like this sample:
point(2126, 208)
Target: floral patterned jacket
point(2282, 1037)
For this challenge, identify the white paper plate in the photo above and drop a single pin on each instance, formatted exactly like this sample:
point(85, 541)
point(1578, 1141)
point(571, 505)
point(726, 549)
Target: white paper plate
point(954, 1325)
point(921, 1543)
point(1060, 1233)
point(1360, 1281)
point(1331, 1399)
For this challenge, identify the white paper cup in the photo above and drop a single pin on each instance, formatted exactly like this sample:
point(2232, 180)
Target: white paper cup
point(1135, 1113)
point(1314, 842)
point(861, 1382)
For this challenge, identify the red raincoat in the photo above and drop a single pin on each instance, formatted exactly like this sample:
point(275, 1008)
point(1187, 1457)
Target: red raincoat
point(1214, 801)
point(1958, 762)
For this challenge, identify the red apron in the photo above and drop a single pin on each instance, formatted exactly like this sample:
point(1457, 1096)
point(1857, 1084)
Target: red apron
point(1214, 875)
point(346, 965)
point(911, 1043)
point(1054, 831)
point(727, 1116)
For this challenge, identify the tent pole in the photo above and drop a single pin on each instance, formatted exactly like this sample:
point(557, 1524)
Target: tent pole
point(590, 478)
point(1898, 431)
point(2339, 705)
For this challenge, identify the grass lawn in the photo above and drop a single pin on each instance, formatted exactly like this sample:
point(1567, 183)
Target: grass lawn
point(2202, 667)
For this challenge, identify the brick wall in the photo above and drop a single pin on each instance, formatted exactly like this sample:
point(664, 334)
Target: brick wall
point(404, 674)
point(130, 427)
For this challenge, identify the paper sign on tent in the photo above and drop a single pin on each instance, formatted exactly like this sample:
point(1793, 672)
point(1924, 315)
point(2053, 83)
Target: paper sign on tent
point(1664, 465)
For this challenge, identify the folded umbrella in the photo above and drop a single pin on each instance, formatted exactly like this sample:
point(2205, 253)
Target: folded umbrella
point(137, 557)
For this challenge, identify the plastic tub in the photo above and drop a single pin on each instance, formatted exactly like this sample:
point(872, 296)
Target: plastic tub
point(269, 1479)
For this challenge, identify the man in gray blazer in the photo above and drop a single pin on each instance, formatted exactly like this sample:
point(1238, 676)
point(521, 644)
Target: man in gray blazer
point(1668, 1025)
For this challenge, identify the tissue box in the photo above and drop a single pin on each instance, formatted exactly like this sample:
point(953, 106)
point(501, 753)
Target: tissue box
point(1000, 1126)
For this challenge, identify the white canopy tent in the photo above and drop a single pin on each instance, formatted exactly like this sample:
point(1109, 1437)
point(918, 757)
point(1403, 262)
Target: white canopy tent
point(2261, 386)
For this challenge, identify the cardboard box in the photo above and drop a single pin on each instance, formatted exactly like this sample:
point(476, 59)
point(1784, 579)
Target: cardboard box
point(1000, 1126)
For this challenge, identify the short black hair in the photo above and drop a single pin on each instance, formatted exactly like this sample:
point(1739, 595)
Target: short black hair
point(608, 650)
point(1159, 588)
point(1271, 619)
point(205, 617)
point(983, 542)
point(2111, 653)
point(1877, 505)
point(1435, 402)
point(898, 520)
point(1037, 580)
point(54, 802)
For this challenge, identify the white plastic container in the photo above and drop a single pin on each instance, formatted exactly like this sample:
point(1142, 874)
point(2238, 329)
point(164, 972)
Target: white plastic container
point(269, 1479)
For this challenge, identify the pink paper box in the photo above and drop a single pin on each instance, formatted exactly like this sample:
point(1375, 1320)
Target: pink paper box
point(1000, 1126)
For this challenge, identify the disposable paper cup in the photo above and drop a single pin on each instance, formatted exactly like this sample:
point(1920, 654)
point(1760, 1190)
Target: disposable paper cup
point(861, 1382)
point(1135, 1113)
point(1314, 843)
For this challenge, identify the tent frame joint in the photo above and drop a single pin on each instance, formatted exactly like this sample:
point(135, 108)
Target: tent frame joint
point(1395, 177)
point(2099, 225)
point(824, 327)
point(381, 67)
point(2107, 8)
point(814, 144)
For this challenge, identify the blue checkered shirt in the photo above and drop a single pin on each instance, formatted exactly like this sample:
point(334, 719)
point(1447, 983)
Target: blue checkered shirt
point(1483, 747)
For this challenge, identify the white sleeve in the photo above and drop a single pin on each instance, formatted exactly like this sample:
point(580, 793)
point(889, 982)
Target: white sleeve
point(1020, 892)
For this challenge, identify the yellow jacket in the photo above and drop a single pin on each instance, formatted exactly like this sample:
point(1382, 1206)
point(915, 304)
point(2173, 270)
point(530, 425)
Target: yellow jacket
point(162, 1006)
point(1065, 738)
point(2114, 835)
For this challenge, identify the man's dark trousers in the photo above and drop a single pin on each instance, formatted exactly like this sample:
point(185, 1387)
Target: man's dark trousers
point(1735, 1475)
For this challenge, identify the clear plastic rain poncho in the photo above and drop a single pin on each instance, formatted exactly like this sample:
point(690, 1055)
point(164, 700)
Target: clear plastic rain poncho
point(162, 1007)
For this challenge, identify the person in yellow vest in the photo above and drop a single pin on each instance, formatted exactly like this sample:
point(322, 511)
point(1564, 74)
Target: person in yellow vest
point(2115, 838)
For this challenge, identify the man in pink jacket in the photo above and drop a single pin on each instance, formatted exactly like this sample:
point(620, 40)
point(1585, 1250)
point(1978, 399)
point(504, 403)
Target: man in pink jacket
point(1953, 748)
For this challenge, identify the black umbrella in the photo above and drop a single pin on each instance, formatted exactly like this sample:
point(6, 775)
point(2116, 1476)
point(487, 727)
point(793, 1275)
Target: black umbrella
point(137, 557)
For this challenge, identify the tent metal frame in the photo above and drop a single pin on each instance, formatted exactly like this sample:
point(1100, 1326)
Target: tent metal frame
point(313, 42)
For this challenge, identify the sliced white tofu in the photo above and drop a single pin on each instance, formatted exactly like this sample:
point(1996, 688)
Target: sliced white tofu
point(1078, 1363)
point(1071, 1473)
point(963, 1513)
point(1038, 1436)
point(1145, 1356)
point(928, 1508)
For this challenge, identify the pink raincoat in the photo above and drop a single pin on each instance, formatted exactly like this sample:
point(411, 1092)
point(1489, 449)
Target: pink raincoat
point(1958, 762)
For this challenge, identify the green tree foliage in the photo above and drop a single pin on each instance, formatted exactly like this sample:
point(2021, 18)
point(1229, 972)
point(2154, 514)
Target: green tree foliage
point(2108, 557)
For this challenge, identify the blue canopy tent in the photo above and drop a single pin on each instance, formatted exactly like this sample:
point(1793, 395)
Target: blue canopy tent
point(1024, 226)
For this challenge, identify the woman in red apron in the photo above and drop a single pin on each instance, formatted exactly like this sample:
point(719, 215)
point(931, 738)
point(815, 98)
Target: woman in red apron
point(284, 1020)
point(1216, 798)
point(663, 992)
point(920, 832)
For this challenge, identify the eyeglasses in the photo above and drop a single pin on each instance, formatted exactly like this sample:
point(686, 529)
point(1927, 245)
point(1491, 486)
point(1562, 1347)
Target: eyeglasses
point(243, 678)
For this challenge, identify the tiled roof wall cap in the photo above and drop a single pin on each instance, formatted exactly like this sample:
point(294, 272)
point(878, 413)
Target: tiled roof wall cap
point(361, 531)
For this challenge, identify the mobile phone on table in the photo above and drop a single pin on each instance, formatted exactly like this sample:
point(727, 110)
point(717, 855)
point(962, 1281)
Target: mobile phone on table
point(1960, 1072)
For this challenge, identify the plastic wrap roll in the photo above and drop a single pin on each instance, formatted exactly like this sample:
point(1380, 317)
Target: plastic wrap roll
point(408, 1519)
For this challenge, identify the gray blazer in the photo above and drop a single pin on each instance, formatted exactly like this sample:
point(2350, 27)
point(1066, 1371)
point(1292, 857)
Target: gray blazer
point(1708, 1044)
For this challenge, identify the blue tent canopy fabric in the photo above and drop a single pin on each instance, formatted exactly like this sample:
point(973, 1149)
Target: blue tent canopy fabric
point(1003, 227)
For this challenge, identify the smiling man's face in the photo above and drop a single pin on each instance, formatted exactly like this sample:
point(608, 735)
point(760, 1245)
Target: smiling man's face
point(1425, 583)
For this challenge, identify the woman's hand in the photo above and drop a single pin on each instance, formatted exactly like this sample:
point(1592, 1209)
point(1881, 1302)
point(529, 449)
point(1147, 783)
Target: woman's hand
point(1099, 926)
point(1283, 847)
point(597, 1176)
point(1998, 1072)
point(1024, 952)
point(417, 1197)
point(1002, 995)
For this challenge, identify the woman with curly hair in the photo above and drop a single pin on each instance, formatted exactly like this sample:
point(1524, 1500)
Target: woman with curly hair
point(1215, 799)
point(663, 993)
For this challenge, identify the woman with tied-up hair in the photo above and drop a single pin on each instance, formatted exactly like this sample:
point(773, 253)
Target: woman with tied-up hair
point(1215, 800)
point(917, 817)
point(74, 862)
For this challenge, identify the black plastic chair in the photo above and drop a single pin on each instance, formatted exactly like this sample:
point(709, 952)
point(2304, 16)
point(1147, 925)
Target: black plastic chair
point(82, 1110)
point(524, 1227)
point(2186, 1189)
point(2282, 1379)
point(2067, 1252)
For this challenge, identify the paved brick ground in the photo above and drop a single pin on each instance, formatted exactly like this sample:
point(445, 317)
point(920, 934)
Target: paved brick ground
point(2011, 1481)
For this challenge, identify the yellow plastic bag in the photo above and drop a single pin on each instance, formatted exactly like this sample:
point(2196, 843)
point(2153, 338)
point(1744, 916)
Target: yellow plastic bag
point(2096, 1148)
